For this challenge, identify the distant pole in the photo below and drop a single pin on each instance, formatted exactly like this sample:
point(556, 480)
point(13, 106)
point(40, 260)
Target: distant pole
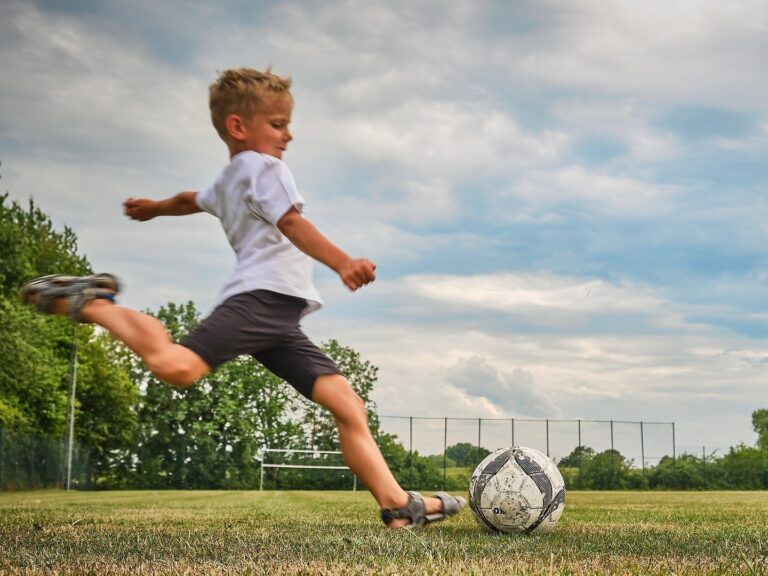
point(410, 451)
point(72, 389)
point(580, 451)
point(613, 465)
point(611, 435)
point(479, 437)
point(512, 422)
point(547, 428)
point(261, 473)
point(674, 450)
point(445, 448)
point(642, 449)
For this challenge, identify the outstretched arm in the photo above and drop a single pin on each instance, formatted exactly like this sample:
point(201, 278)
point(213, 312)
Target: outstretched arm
point(143, 209)
point(354, 272)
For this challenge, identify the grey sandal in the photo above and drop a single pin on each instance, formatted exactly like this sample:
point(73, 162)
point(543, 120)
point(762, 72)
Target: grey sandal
point(416, 513)
point(76, 290)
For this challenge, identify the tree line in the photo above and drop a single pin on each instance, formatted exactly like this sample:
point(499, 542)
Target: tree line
point(142, 433)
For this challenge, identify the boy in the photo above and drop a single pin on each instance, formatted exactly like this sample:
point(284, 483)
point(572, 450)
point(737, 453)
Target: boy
point(268, 293)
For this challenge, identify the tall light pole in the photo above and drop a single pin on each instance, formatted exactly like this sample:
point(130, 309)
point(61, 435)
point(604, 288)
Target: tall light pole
point(71, 415)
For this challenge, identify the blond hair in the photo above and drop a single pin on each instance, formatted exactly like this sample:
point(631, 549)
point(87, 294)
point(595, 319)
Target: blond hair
point(243, 91)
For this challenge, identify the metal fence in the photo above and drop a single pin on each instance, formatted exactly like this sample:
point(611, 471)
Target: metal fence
point(28, 462)
point(642, 443)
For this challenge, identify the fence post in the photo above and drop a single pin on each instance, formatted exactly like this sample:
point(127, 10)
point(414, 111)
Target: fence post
point(73, 385)
point(445, 448)
point(580, 451)
point(2, 458)
point(31, 453)
point(674, 451)
point(410, 453)
point(613, 465)
point(261, 466)
point(479, 429)
point(642, 451)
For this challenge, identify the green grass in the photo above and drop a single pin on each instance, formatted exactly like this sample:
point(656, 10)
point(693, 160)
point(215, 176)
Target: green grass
point(139, 533)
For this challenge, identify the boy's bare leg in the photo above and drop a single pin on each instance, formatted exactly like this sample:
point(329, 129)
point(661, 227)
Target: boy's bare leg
point(360, 451)
point(147, 337)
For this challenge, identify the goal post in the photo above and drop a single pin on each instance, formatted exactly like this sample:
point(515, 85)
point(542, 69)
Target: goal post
point(289, 451)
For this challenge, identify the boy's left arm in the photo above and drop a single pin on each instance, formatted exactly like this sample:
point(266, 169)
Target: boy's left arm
point(354, 272)
point(144, 209)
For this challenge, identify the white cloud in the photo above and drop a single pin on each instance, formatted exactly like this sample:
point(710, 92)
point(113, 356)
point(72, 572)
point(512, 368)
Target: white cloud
point(625, 120)
point(513, 393)
point(684, 50)
point(540, 297)
point(433, 137)
point(599, 192)
point(395, 132)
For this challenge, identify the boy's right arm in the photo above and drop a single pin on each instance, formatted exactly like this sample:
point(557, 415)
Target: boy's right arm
point(354, 272)
point(143, 209)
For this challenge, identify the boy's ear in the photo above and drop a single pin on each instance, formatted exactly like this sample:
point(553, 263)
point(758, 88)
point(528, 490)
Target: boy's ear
point(235, 126)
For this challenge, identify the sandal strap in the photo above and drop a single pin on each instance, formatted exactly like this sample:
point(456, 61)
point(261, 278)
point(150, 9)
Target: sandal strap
point(77, 291)
point(107, 281)
point(75, 300)
point(450, 505)
point(416, 511)
point(413, 511)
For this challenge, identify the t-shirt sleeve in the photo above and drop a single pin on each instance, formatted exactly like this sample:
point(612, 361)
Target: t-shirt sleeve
point(275, 192)
point(205, 200)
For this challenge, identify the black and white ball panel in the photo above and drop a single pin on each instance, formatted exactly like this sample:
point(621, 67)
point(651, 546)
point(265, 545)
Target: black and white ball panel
point(517, 489)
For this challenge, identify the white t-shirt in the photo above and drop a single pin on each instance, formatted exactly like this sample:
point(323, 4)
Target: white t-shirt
point(249, 197)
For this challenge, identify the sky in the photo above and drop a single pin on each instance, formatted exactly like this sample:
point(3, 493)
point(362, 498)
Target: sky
point(566, 200)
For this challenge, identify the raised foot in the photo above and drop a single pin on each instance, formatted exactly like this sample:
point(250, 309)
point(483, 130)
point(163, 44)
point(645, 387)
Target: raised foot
point(63, 294)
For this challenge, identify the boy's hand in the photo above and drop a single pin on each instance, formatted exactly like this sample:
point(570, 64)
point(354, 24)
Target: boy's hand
point(141, 209)
point(357, 272)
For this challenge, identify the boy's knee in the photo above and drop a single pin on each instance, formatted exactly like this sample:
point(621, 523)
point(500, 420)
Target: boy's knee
point(337, 395)
point(178, 366)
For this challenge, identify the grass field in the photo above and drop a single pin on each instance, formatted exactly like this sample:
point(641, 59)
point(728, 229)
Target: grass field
point(138, 533)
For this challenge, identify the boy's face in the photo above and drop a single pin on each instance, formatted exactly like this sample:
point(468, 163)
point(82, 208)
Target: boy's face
point(267, 131)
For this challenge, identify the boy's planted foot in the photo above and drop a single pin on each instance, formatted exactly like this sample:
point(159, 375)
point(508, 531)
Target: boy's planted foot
point(67, 295)
point(420, 510)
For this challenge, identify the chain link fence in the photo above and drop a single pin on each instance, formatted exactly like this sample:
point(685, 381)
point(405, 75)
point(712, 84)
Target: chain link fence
point(29, 462)
point(642, 444)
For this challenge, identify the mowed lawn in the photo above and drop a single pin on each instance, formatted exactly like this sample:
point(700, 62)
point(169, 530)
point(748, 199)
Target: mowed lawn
point(174, 532)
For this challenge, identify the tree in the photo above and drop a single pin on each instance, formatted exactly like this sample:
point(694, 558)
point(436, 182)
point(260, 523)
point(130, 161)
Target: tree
point(35, 353)
point(36, 350)
point(30, 246)
point(743, 468)
point(572, 466)
point(319, 424)
point(105, 402)
point(209, 435)
point(683, 473)
point(466, 455)
point(577, 457)
point(760, 425)
point(411, 470)
point(609, 470)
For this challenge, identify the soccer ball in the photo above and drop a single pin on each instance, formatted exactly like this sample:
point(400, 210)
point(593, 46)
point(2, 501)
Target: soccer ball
point(517, 490)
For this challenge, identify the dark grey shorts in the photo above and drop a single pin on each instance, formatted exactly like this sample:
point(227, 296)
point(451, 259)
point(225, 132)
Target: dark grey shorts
point(265, 325)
